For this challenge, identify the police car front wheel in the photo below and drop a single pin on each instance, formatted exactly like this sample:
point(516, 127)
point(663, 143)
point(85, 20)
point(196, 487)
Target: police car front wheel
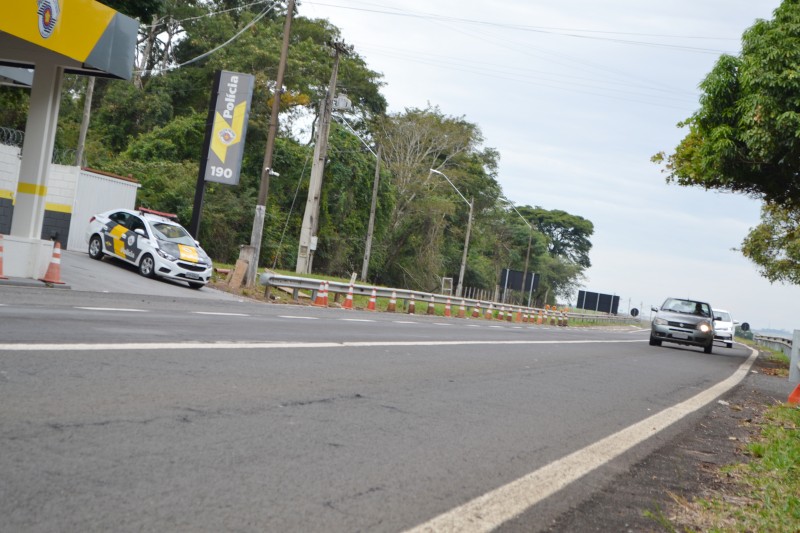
point(95, 247)
point(147, 266)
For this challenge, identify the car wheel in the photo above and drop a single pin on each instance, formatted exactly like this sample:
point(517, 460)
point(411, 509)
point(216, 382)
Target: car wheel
point(654, 341)
point(729, 345)
point(147, 267)
point(195, 285)
point(95, 247)
point(708, 347)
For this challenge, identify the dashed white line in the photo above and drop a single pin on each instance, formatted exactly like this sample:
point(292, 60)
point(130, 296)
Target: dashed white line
point(117, 309)
point(218, 314)
point(299, 317)
point(356, 320)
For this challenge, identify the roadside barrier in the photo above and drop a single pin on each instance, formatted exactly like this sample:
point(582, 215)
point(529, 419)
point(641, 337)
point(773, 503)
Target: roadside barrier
point(53, 274)
point(512, 313)
point(462, 309)
point(373, 296)
point(1, 258)
point(348, 302)
point(447, 310)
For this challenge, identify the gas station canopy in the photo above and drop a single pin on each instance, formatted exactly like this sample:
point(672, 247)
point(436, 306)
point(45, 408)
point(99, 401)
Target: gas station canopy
point(83, 36)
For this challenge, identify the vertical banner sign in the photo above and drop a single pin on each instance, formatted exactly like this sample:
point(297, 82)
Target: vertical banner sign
point(227, 131)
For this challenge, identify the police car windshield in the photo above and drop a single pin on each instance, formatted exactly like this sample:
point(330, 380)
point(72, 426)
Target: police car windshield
point(172, 233)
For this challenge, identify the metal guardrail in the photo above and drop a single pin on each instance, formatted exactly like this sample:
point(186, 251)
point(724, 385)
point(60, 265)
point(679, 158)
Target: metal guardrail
point(781, 344)
point(297, 284)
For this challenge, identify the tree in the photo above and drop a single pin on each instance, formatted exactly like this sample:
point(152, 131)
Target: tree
point(746, 135)
point(568, 235)
point(774, 245)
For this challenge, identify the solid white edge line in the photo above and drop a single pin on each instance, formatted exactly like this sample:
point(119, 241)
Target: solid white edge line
point(46, 347)
point(489, 511)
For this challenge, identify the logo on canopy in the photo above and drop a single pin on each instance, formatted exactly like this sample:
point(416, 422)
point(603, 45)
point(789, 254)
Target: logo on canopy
point(48, 17)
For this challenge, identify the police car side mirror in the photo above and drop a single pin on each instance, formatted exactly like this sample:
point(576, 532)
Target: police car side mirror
point(140, 231)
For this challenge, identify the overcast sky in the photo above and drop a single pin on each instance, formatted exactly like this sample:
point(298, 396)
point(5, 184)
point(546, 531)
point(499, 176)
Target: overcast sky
point(577, 96)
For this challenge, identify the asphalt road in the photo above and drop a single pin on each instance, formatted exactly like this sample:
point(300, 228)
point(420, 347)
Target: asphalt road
point(148, 410)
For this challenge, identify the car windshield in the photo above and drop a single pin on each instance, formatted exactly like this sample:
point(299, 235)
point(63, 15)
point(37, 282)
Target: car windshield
point(172, 233)
point(689, 307)
point(723, 316)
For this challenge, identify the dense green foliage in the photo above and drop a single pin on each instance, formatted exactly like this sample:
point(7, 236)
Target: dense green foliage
point(746, 137)
point(153, 127)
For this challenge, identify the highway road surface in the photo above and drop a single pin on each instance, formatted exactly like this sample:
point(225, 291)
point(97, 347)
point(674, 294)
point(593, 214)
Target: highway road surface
point(138, 410)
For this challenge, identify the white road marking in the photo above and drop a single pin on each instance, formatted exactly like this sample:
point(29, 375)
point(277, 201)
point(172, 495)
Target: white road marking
point(441, 324)
point(230, 345)
point(218, 314)
point(356, 320)
point(114, 309)
point(299, 317)
point(404, 322)
point(489, 511)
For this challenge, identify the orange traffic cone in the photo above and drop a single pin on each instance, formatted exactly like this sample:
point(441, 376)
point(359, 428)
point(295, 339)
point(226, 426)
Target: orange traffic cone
point(431, 306)
point(371, 304)
point(540, 318)
point(462, 309)
point(325, 297)
point(447, 308)
point(489, 312)
point(319, 301)
point(1, 258)
point(794, 397)
point(476, 311)
point(53, 274)
point(412, 305)
point(501, 314)
point(392, 303)
point(348, 302)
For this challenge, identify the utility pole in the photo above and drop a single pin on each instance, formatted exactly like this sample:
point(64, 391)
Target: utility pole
point(308, 238)
point(371, 225)
point(460, 287)
point(266, 168)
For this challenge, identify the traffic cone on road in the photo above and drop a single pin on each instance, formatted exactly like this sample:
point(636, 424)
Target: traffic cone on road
point(53, 274)
point(325, 298)
point(447, 308)
point(476, 311)
point(392, 303)
point(431, 306)
point(412, 305)
point(1, 258)
point(794, 397)
point(319, 301)
point(501, 314)
point(372, 297)
point(540, 318)
point(462, 309)
point(348, 302)
point(489, 312)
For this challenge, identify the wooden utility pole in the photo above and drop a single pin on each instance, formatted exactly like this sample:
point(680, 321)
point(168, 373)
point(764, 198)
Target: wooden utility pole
point(266, 167)
point(308, 238)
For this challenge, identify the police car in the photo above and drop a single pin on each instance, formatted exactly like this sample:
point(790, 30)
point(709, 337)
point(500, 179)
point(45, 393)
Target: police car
point(152, 241)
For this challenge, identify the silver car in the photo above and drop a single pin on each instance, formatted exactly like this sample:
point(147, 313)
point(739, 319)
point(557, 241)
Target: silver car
point(681, 321)
point(724, 327)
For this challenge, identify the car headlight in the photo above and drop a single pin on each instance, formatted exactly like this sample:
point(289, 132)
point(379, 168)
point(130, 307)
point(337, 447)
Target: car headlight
point(705, 327)
point(659, 321)
point(166, 256)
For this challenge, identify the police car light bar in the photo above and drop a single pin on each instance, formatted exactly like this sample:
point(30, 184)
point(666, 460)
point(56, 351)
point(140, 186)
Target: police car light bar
point(171, 216)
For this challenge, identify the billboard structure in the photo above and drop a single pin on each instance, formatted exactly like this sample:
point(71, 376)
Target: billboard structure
point(512, 279)
point(226, 127)
point(593, 301)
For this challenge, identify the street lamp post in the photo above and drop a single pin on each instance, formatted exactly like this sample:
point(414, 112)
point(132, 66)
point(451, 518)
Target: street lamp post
point(470, 203)
point(528, 255)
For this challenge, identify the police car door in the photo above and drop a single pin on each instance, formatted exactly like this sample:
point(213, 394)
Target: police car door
point(120, 237)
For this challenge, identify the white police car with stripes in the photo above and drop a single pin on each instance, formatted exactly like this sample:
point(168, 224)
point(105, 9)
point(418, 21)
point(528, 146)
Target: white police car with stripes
point(152, 241)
